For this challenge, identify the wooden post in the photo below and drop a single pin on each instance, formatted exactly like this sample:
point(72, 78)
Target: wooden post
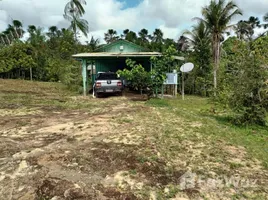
point(182, 89)
point(162, 91)
point(31, 74)
point(85, 77)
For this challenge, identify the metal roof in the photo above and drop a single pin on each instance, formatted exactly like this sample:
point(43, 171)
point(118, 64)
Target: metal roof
point(110, 54)
point(121, 55)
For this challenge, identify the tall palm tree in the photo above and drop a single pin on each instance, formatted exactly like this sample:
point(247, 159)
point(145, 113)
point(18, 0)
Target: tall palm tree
point(242, 30)
point(131, 36)
point(125, 32)
point(53, 31)
point(93, 44)
point(143, 35)
point(75, 6)
point(78, 24)
point(110, 36)
point(11, 31)
point(217, 17)
point(7, 36)
point(18, 28)
point(2, 37)
point(37, 36)
point(32, 29)
point(199, 36)
point(73, 11)
point(183, 43)
point(245, 28)
point(265, 19)
point(158, 36)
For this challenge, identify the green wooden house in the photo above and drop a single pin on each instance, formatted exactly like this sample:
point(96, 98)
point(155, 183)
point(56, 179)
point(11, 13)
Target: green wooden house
point(112, 57)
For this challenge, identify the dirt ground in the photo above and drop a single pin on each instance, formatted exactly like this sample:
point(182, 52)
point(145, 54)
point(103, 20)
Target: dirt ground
point(115, 149)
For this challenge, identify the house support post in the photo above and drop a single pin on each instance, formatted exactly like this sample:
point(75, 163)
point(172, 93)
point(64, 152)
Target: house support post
point(85, 77)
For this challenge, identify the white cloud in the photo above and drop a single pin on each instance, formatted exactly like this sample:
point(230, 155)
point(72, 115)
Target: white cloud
point(172, 16)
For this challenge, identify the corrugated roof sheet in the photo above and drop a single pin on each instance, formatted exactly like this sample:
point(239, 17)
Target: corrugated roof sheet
point(110, 54)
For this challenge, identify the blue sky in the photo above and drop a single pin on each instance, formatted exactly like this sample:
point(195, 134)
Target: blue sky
point(130, 3)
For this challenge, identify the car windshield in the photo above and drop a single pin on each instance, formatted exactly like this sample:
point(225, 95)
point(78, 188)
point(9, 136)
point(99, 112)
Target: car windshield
point(107, 76)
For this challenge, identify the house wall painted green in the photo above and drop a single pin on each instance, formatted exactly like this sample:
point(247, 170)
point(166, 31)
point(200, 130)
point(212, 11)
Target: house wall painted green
point(121, 46)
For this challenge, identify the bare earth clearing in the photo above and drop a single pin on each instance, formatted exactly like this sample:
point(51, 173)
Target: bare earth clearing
point(55, 145)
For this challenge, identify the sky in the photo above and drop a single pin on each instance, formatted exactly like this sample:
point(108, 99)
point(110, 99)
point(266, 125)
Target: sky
point(173, 17)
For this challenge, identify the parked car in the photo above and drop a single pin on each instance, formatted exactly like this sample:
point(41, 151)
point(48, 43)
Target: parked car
point(107, 83)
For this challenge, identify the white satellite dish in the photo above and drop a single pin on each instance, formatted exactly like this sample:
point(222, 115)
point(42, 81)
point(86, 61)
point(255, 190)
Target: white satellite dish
point(187, 67)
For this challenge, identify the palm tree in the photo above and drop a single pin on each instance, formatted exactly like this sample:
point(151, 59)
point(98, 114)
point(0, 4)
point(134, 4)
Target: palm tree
point(2, 35)
point(265, 19)
point(73, 11)
point(75, 6)
point(158, 36)
point(18, 28)
point(217, 17)
point(53, 31)
point(11, 30)
point(131, 36)
point(37, 36)
point(6, 34)
point(93, 44)
point(183, 43)
point(31, 29)
point(199, 36)
point(143, 35)
point(77, 24)
point(110, 36)
point(242, 29)
point(125, 32)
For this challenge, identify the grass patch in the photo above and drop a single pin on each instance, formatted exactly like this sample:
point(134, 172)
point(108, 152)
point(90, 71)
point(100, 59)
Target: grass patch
point(216, 125)
point(158, 103)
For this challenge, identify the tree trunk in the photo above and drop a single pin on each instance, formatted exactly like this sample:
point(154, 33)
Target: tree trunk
point(216, 58)
point(31, 74)
point(8, 40)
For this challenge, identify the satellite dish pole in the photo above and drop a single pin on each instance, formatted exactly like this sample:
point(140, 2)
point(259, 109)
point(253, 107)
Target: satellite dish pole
point(182, 85)
point(187, 67)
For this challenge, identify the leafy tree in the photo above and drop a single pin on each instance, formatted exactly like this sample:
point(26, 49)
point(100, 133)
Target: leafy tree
point(110, 36)
point(162, 65)
point(16, 59)
point(249, 91)
point(137, 76)
point(217, 17)
point(167, 43)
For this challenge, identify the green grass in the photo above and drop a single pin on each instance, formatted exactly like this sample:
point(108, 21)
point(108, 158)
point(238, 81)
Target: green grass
point(217, 126)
